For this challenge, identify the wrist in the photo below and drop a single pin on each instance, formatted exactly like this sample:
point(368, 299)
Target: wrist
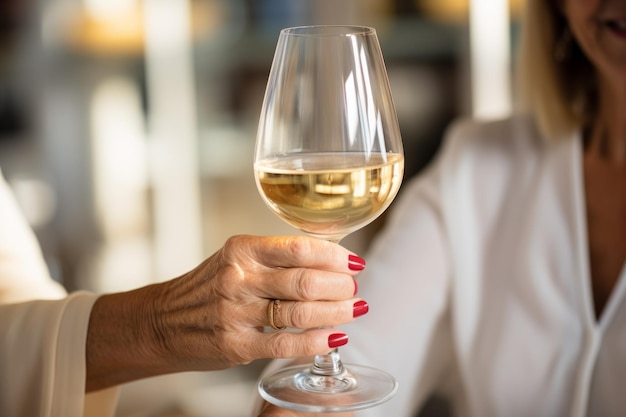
point(122, 339)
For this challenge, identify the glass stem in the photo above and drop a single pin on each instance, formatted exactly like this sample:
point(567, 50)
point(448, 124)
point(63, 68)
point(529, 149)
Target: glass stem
point(328, 364)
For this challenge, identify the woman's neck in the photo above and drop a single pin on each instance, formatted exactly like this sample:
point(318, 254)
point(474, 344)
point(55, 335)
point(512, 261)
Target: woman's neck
point(607, 133)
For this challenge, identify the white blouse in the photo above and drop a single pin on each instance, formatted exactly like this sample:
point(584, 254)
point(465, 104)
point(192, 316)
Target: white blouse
point(479, 287)
point(42, 354)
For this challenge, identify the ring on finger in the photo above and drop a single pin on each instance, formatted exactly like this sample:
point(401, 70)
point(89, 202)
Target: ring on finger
point(273, 308)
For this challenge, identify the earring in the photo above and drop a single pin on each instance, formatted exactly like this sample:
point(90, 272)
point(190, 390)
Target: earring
point(563, 45)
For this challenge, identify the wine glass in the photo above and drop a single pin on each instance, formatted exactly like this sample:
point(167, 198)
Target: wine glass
point(328, 161)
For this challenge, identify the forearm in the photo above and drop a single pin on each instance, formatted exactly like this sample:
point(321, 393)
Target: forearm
point(121, 341)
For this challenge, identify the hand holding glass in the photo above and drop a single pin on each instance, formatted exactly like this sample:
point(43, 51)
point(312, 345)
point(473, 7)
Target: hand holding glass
point(328, 161)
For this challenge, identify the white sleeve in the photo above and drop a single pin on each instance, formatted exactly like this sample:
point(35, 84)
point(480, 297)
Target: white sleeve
point(406, 283)
point(23, 272)
point(42, 354)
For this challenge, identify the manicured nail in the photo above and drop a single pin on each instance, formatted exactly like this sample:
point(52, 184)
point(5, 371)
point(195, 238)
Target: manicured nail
point(356, 286)
point(356, 263)
point(337, 339)
point(360, 308)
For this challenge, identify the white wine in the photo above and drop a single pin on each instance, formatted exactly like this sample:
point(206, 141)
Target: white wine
point(330, 194)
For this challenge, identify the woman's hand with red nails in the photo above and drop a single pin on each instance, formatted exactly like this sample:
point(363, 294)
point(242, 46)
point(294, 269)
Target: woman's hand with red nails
point(216, 315)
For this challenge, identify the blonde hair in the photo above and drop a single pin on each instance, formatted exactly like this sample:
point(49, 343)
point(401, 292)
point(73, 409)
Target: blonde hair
point(556, 80)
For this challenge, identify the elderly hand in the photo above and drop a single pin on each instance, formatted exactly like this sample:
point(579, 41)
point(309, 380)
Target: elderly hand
point(213, 316)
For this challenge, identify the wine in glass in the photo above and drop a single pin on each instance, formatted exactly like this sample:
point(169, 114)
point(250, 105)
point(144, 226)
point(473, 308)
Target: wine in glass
point(328, 161)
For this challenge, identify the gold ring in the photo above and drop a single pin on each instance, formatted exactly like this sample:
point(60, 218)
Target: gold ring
point(273, 308)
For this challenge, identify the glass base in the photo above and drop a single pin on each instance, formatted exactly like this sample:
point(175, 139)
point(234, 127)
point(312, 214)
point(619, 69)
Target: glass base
point(356, 388)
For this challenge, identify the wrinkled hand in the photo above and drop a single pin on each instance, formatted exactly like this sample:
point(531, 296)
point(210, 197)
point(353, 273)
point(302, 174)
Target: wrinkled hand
point(213, 316)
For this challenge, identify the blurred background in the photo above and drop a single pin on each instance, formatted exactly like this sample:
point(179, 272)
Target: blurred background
point(127, 130)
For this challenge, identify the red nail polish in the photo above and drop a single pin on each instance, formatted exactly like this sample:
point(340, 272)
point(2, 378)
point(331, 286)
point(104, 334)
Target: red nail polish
point(360, 308)
point(337, 339)
point(356, 287)
point(356, 263)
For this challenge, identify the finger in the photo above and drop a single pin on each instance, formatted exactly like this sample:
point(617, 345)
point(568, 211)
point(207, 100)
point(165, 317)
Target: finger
point(307, 252)
point(299, 284)
point(294, 345)
point(271, 410)
point(306, 315)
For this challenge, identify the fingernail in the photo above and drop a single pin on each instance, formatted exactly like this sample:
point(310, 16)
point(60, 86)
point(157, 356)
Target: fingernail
point(356, 263)
point(360, 308)
point(356, 286)
point(337, 339)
